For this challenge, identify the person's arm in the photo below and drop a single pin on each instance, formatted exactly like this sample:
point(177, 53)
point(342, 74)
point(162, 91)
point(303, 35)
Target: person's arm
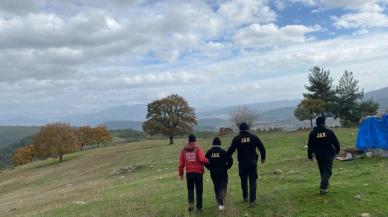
point(261, 148)
point(336, 143)
point(208, 154)
point(232, 147)
point(181, 164)
point(310, 149)
point(201, 156)
point(229, 161)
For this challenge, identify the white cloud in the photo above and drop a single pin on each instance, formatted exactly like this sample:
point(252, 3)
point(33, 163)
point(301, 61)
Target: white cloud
point(270, 35)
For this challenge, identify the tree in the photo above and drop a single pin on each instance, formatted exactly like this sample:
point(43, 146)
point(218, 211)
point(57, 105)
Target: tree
point(347, 107)
point(321, 87)
point(308, 109)
point(169, 116)
point(23, 155)
point(368, 107)
point(100, 135)
point(55, 140)
point(85, 136)
point(244, 114)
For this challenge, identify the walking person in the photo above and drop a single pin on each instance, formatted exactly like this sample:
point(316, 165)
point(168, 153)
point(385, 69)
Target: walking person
point(219, 163)
point(323, 143)
point(245, 144)
point(193, 159)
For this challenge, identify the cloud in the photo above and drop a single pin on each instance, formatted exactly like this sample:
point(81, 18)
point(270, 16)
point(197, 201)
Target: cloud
point(270, 35)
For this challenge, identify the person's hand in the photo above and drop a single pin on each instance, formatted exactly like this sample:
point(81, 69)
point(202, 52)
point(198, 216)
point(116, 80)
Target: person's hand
point(262, 161)
point(310, 156)
point(181, 178)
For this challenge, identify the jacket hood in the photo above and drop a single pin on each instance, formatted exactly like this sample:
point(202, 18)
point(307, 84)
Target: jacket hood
point(191, 146)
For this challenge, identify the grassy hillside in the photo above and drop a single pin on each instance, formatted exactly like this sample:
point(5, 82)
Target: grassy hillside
point(12, 134)
point(83, 184)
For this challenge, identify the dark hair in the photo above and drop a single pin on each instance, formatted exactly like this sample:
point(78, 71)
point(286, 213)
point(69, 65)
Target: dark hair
point(192, 138)
point(320, 121)
point(244, 126)
point(216, 141)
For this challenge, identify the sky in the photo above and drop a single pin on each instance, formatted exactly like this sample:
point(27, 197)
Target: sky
point(77, 56)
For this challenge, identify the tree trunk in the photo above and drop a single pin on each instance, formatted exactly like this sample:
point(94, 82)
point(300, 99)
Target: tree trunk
point(60, 157)
point(82, 147)
point(171, 140)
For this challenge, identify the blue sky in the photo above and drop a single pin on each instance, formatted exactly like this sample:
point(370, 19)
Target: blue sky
point(77, 56)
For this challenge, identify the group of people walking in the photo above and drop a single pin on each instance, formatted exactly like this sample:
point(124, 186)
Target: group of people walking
point(322, 143)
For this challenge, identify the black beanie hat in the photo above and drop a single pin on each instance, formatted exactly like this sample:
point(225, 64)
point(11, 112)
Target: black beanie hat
point(244, 126)
point(192, 138)
point(320, 121)
point(217, 141)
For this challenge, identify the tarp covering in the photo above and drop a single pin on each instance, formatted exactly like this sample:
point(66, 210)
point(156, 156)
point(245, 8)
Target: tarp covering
point(373, 133)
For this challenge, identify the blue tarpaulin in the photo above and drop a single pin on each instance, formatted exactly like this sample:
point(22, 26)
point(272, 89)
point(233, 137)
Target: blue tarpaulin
point(373, 133)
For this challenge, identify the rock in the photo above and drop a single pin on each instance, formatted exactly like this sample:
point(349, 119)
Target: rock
point(159, 170)
point(278, 172)
point(121, 177)
point(357, 197)
point(365, 214)
point(79, 202)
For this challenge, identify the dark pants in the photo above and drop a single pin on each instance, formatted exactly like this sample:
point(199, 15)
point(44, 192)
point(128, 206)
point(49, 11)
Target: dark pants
point(325, 164)
point(248, 172)
point(195, 179)
point(220, 183)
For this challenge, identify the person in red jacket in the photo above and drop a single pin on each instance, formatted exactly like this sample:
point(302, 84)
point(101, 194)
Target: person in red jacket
point(193, 158)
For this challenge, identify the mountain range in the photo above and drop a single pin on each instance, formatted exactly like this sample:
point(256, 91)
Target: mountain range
point(272, 114)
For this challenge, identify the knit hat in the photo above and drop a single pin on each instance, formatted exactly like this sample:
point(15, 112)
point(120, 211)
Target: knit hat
point(320, 121)
point(244, 126)
point(217, 141)
point(192, 138)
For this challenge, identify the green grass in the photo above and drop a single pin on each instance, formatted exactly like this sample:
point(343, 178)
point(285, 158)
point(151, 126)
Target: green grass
point(48, 188)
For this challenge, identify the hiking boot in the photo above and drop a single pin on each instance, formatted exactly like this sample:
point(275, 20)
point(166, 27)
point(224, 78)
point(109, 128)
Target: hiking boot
point(191, 207)
point(323, 191)
point(252, 205)
point(221, 208)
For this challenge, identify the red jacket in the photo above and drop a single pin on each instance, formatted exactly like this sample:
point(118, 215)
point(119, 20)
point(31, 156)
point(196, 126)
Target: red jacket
point(193, 158)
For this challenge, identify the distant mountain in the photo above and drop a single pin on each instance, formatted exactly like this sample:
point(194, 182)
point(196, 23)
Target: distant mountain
point(224, 113)
point(381, 97)
point(117, 125)
point(23, 121)
point(211, 124)
point(118, 113)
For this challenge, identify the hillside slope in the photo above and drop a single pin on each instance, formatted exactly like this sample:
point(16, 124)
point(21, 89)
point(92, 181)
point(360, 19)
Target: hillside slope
point(12, 134)
point(83, 185)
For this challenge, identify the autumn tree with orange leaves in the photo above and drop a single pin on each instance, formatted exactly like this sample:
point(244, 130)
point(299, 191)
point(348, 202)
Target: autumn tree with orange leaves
point(23, 155)
point(55, 140)
point(100, 135)
point(85, 136)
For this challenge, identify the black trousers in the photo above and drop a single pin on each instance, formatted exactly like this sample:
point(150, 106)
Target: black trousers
point(325, 164)
point(248, 172)
point(195, 180)
point(220, 182)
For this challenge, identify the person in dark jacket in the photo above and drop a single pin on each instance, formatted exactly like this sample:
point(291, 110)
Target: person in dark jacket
point(219, 163)
point(193, 158)
point(245, 144)
point(323, 143)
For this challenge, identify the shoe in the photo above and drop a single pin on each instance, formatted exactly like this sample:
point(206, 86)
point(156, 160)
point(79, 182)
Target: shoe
point(323, 191)
point(221, 208)
point(199, 209)
point(191, 207)
point(252, 204)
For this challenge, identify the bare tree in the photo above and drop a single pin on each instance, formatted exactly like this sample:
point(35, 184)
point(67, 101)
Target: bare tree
point(244, 114)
